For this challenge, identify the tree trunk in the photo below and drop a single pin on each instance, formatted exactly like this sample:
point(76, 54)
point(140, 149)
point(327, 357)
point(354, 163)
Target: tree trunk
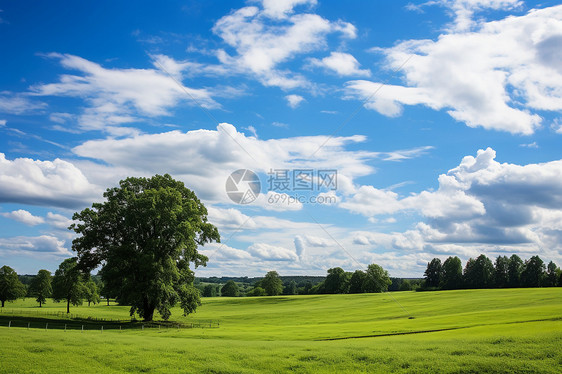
point(108, 301)
point(88, 303)
point(3, 303)
point(67, 306)
point(148, 310)
point(39, 304)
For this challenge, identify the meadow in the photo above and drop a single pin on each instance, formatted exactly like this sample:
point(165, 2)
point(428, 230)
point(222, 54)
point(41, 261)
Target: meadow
point(508, 330)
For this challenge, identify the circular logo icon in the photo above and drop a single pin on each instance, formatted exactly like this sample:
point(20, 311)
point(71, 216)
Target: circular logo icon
point(243, 186)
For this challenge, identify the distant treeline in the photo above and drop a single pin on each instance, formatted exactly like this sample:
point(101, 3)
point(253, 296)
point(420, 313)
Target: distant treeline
point(481, 272)
point(337, 280)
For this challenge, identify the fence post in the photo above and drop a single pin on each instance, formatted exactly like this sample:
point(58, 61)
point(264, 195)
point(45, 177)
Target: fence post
point(46, 325)
point(102, 329)
point(28, 325)
point(65, 327)
point(82, 328)
point(9, 324)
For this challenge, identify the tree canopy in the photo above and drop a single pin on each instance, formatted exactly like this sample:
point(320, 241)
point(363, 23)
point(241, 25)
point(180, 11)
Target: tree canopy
point(433, 273)
point(145, 235)
point(452, 273)
point(230, 289)
point(41, 287)
point(272, 284)
point(67, 283)
point(10, 286)
point(376, 279)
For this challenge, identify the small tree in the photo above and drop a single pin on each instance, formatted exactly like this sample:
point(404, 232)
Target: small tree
point(356, 281)
point(479, 273)
point(230, 289)
point(514, 269)
point(67, 284)
point(91, 292)
point(376, 279)
point(551, 274)
point(452, 274)
point(502, 271)
point(272, 284)
point(337, 281)
point(533, 272)
point(41, 287)
point(10, 286)
point(433, 273)
point(209, 290)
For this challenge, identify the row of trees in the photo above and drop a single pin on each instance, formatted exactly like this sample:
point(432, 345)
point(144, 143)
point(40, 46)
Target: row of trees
point(483, 273)
point(374, 279)
point(68, 284)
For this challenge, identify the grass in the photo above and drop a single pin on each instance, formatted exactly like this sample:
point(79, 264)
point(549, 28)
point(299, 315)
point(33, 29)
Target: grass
point(514, 330)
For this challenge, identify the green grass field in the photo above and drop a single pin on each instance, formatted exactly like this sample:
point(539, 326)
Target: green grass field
point(513, 330)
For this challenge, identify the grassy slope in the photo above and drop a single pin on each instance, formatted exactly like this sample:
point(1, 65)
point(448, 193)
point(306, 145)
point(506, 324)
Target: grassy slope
point(493, 332)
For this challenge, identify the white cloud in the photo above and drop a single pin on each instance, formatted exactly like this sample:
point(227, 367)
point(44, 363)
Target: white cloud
point(342, 64)
point(117, 96)
point(529, 145)
point(58, 221)
point(222, 152)
point(2, 122)
point(262, 45)
point(272, 253)
point(294, 100)
point(24, 217)
point(54, 183)
point(282, 8)
point(481, 205)
point(511, 73)
point(18, 103)
point(44, 244)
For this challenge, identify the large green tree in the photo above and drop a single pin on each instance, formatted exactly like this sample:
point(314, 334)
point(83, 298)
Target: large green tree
point(514, 269)
point(433, 273)
point(533, 272)
point(68, 283)
point(337, 281)
point(501, 276)
point(356, 281)
point(479, 272)
point(452, 274)
point(91, 292)
point(272, 284)
point(376, 279)
point(10, 286)
point(230, 289)
point(41, 287)
point(145, 235)
point(552, 271)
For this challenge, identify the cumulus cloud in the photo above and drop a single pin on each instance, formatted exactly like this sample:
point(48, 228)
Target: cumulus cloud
point(117, 96)
point(53, 183)
point(481, 205)
point(294, 100)
point(262, 45)
point(510, 74)
point(343, 64)
point(26, 245)
point(24, 217)
point(272, 253)
point(2, 123)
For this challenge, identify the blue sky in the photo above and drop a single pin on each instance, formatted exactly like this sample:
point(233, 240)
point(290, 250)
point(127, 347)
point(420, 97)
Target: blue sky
point(441, 119)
